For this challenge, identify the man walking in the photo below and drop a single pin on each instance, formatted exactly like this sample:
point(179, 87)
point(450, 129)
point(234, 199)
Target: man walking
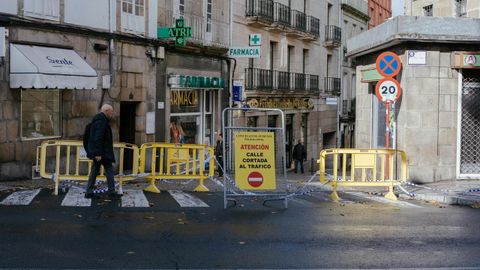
point(299, 155)
point(219, 154)
point(100, 150)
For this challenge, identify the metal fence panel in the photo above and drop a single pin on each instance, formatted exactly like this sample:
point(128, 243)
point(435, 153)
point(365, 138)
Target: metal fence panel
point(233, 121)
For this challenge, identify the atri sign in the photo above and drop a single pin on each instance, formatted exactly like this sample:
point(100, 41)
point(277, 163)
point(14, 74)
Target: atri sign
point(179, 32)
point(249, 52)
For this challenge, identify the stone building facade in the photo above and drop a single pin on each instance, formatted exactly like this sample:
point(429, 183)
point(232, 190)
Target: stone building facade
point(297, 71)
point(437, 114)
point(443, 8)
point(355, 21)
point(193, 80)
point(99, 55)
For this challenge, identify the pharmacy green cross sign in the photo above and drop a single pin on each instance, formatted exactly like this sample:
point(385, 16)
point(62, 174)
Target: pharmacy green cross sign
point(179, 32)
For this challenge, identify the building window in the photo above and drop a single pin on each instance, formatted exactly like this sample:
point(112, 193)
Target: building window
point(135, 7)
point(45, 9)
point(40, 115)
point(133, 19)
point(209, 16)
point(461, 8)
point(181, 7)
point(428, 10)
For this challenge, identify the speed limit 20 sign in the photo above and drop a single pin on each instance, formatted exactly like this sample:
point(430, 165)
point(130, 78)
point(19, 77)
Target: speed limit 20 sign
point(388, 90)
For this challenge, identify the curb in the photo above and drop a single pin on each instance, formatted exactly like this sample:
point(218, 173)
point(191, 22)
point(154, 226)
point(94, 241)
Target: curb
point(446, 199)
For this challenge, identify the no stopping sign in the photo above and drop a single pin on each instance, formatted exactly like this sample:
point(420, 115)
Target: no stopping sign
point(388, 90)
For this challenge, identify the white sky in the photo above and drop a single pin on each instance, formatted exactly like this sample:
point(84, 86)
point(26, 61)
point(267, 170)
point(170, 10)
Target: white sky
point(397, 7)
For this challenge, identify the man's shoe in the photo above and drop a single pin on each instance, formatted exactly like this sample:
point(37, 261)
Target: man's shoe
point(91, 196)
point(114, 195)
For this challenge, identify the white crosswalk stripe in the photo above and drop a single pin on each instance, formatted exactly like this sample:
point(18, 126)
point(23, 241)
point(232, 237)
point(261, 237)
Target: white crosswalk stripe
point(186, 200)
point(134, 198)
point(76, 197)
point(24, 197)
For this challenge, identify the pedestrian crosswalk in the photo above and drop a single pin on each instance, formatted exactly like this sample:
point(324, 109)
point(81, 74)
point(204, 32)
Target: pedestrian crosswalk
point(135, 198)
point(75, 197)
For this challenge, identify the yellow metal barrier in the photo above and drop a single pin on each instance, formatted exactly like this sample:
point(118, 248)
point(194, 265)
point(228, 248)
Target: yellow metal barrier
point(371, 162)
point(176, 161)
point(71, 162)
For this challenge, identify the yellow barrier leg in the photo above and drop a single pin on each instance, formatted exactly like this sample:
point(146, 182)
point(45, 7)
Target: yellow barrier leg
point(334, 195)
point(390, 195)
point(152, 187)
point(201, 186)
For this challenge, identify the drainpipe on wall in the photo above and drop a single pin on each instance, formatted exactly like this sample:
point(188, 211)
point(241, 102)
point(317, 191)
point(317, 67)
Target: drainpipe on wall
point(340, 55)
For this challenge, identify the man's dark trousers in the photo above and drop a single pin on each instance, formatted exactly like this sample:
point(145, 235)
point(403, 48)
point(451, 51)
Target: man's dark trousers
point(107, 165)
point(297, 164)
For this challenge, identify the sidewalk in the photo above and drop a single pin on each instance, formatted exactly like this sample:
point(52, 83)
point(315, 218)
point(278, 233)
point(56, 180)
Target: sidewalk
point(453, 192)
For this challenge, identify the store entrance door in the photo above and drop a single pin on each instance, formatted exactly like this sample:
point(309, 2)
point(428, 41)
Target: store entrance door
point(289, 139)
point(127, 130)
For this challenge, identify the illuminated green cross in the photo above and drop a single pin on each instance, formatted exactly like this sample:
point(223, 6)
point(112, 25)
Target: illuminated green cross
point(179, 32)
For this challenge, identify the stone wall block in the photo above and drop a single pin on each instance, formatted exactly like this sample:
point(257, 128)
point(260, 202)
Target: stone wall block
point(139, 80)
point(447, 119)
point(3, 131)
point(8, 152)
point(422, 174)
point(447, 155)
point(12, 130)
point(425, 103)
point(449, 86)
point(447, 136)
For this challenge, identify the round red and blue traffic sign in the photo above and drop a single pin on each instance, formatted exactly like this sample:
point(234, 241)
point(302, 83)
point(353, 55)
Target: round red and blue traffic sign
point(388, 90)
point(255, 179)
point(388, 64)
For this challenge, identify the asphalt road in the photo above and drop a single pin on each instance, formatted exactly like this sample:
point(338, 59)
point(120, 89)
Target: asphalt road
point(312, 233)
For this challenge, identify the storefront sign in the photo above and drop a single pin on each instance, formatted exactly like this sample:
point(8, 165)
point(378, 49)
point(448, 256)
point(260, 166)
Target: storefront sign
point(179, 32)
point(185, 81)
point(281, 103)
point(184, 98)
point(255, 160)
point(417, 57)
point(472, 60)
point(237, 90)
point(249, 52)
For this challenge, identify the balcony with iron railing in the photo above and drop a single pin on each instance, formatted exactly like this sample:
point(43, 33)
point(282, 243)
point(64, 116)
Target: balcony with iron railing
point(277, 16)
point(217, 35)
point(359, 7)
point(333, 36)
point(281, 15)
point(268, 80)
point(332, 86)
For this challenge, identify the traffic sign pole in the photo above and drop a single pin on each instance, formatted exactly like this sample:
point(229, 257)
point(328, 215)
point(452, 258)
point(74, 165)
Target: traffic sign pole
point(387, 139)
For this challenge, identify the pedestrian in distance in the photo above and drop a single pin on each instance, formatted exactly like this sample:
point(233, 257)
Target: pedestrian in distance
point(299, 155)
point(219, 154)
point(100, 150)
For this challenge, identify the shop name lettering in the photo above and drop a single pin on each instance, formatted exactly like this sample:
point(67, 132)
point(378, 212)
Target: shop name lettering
point(59, 61)
point(254, 160)
point(286, 103)
point(245, 51)
point(199, 82)
point(184, 98)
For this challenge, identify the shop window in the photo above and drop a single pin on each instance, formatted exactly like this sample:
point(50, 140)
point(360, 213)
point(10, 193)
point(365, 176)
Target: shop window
point(252, 121)
point(133, 15)
point(40, 115)
point(45, 9)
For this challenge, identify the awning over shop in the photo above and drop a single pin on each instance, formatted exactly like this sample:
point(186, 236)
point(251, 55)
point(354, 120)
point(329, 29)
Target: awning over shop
point(47, 67)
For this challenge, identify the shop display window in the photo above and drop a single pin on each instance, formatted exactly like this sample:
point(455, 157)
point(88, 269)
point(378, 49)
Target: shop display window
point(40, 114)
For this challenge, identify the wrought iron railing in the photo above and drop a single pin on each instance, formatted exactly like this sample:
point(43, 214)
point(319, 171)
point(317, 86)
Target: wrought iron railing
point(263, 9)
point(332, 86)
point(281, 14)
point(333, 34)
point(299, 20)
point(265, 79)
point(313, 26)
